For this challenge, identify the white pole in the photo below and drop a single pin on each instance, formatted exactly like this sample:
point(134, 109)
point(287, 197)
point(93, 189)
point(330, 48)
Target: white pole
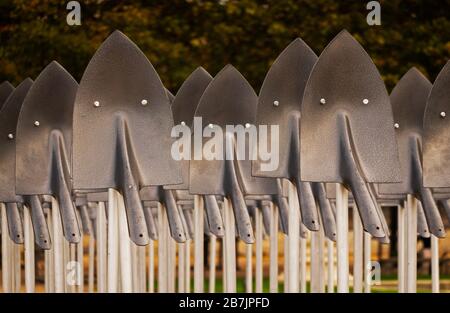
point(162, 251)
point(401, 248)
point(286, 263)
point(342, 238)
point(187, 271)
point(17, 270)
point(259, 251)
point(29, 251)
point(212, 263)
point(367, 262)
point(248, 268)
point(294, 240)
point(6, 273)
point(357, 252)
point(198, 244)
point(303, 261)
point(91, 263)
point(151, 267)
point(80, 256)
point(171, 262)
point(273, 249)
point(51, 256)
point(411, 265)
point(71, 258)
point(124, 248)
point(317, 262)
point(101, 249)
point(330, 272)
point(230, 247)
point(113, 241)
point(181, 267)
point(435, 264)
point(58, 247)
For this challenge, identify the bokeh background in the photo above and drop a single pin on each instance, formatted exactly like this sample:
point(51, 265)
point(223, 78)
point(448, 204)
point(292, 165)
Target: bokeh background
point(179, 35)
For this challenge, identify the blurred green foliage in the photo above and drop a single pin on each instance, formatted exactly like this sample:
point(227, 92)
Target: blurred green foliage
point(179, 35)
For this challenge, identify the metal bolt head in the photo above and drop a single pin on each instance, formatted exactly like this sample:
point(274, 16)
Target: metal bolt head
point(96, 104)
point(144, 102)
point(396, 125)
point(36, 123)
point(183, 123)
point(276, 103)
point(211, 126)
point(442, 114)
point(323, 101)
point(247, 125)
point(365, 101)
point(10, 136)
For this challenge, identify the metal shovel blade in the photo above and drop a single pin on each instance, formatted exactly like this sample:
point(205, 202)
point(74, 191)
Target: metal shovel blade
point(408, 101)
point(228, 100)
point(9, 115)
point(345, 107)
point(436, 137)
point(122, 127)
point(44, 139)
point(279, 106)
point(183, 109)
point(5, 90)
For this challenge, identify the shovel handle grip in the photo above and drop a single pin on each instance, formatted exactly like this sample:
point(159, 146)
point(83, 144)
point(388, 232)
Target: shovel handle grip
point(213, 215)
point(40, 227)
point(150, 221)
point(15, 227)
point(175, 224)
point(308, 208)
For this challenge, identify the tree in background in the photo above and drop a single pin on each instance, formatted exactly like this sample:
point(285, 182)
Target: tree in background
point(179, 35)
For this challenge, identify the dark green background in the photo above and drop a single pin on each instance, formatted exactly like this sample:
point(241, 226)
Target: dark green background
point(179, 35)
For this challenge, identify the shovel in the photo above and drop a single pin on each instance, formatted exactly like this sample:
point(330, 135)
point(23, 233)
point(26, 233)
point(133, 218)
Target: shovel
point(5, 90)
point(436, 149)
point(10, 217)
point(279, 104)
point(408, 100)
point(183, 108)
point(122, 123)
point(9, 116)
point(350, 104)
point(44, 134)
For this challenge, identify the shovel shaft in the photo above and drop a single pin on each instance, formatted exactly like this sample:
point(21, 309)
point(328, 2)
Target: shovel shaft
point(29, 251)
point(198, 244)
point(434, 264)
point(273, 276)
point(342, 238)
